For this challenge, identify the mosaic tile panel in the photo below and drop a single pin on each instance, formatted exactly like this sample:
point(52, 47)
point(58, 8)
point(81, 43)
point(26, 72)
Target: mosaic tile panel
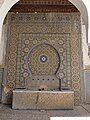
point(61, 30)
point(58, 41)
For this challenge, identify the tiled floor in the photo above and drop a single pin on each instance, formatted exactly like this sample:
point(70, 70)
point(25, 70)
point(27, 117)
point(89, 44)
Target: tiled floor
point(6, 113)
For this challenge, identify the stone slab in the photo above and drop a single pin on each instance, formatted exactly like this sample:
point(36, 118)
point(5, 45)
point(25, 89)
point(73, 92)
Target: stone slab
point(25, 99)
point(87, 85)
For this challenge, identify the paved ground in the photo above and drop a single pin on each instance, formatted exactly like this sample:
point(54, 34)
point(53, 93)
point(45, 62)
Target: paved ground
point(6, 113)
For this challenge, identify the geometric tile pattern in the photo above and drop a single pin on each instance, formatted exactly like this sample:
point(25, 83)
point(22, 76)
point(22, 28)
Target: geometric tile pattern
point(60, 30)
point(58, 41)
point(43, 60)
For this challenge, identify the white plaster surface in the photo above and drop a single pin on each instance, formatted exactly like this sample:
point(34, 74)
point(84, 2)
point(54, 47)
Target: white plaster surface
point(1, 2)
point(87, 3)
point(70, 118)
point(3, 45)
point(86, 59)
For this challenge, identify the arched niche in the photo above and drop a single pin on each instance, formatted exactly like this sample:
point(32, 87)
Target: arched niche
point(7, 5)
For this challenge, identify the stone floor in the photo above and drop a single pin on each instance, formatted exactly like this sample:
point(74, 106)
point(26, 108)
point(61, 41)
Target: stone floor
point(6, 113)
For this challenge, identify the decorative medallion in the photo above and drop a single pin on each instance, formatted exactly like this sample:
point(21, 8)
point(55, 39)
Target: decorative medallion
point(43, 60)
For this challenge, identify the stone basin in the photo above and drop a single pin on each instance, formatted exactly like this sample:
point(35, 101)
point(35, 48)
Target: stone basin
point(26, 99)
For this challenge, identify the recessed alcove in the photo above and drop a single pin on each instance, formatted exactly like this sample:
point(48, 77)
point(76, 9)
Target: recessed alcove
point(44, 51)
point(43, 54)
